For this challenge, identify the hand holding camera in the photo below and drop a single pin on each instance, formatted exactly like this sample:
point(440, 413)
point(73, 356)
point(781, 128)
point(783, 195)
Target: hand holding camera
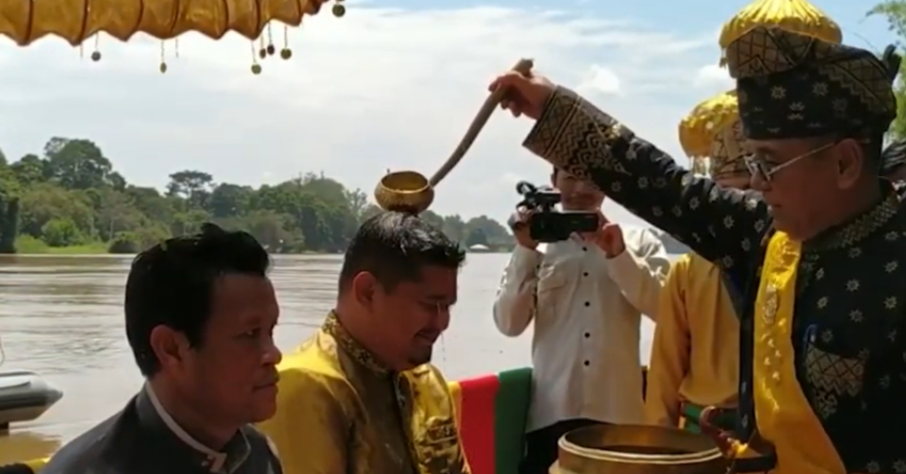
point(519, 223)
point(608, 237)
point(544, 223)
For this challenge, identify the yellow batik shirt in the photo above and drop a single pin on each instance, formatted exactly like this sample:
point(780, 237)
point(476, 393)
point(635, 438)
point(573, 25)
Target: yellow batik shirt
point(339, 411)
point(694, 306)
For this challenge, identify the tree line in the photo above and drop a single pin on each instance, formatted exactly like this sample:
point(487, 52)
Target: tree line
point(71, 197)
point(894, 11)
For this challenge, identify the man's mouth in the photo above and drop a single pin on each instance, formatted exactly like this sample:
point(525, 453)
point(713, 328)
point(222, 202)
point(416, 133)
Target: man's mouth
point(271, 383)
point(428, 336)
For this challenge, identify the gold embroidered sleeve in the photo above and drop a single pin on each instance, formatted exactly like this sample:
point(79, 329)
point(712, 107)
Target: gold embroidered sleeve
point(722, 225)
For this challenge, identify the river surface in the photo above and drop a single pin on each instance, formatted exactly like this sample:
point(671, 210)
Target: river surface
point(62, 318)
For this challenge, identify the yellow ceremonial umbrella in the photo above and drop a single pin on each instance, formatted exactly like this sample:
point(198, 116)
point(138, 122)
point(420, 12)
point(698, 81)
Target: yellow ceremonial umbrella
point(77, 21)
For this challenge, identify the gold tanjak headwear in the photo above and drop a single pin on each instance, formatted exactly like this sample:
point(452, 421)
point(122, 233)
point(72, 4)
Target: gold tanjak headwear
point(712, 137)
point(794, 16)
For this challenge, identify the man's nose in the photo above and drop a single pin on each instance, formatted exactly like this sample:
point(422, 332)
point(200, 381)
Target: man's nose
point(442, 322)
point(272, 354)
point(758, 182)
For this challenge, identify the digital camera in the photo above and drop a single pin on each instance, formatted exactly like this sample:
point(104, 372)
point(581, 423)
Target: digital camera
point(547, 224)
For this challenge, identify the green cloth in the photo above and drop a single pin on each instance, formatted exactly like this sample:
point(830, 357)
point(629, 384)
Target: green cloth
point(511, 414)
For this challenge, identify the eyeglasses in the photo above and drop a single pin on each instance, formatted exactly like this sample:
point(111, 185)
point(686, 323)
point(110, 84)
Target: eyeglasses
point(758, 165)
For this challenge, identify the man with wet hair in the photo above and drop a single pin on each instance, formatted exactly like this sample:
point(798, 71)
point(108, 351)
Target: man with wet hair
point(361, 396)
point(200, 315)
point(816, 247)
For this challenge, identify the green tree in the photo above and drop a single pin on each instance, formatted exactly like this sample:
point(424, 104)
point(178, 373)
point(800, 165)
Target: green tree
point(194, 186)
point(61, 232)
point(894, 11)
point(76, 164)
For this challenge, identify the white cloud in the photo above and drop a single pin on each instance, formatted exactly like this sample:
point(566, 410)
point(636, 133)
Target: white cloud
point(715, 76)
point(600, 80)
point(381, 88)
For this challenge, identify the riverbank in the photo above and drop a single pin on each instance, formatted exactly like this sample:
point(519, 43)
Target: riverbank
point(28, 245)
point(31, 246)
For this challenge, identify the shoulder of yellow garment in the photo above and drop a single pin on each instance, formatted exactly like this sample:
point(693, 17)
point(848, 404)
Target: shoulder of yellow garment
point(312, 374)
point(682, 263)
point(699, 264)
point(428, 370)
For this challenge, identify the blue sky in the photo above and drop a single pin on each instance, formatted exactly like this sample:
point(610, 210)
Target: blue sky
point(394, 84)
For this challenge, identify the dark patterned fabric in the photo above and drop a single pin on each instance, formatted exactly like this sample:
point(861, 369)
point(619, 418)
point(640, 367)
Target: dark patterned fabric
point(850, 315)
point(138, 441)
point(893, 157)
point(795, 86)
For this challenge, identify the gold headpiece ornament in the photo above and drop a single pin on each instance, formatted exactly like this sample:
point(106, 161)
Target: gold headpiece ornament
point(712, 138)
point(795, 16)
point(26, 22)
point(410, 191)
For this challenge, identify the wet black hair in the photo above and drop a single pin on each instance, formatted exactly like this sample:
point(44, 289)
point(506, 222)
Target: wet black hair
point(173, 282)
point(394, 247)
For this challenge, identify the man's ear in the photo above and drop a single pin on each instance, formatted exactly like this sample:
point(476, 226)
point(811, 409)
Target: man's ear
point(169, 346)
point(850, 163)
point(364, 285)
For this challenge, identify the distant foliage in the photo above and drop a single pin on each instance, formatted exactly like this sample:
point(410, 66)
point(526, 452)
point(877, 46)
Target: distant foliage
point(894, 11)
point(71, 196)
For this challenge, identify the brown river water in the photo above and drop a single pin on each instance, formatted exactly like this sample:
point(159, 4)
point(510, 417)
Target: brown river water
point(61, 317)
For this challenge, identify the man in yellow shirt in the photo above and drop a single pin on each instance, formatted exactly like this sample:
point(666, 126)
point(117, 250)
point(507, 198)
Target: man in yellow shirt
point(360, 396)
point(684, 378)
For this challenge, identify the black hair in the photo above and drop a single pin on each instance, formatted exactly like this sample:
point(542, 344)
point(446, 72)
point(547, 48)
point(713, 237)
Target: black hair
point(395, 246)
point(173, 282)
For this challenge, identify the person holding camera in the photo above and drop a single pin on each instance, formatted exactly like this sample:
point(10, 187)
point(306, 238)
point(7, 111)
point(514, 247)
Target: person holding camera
point(585, 294)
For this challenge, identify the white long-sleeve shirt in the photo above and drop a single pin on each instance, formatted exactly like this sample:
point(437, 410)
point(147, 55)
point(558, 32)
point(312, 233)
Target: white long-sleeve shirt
point(587, 313)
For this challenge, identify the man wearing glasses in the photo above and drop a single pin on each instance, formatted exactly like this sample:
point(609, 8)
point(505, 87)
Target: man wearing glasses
point(818, 255)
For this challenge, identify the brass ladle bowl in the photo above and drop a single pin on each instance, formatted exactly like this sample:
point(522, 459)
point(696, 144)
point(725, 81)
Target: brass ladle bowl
point(411, 191)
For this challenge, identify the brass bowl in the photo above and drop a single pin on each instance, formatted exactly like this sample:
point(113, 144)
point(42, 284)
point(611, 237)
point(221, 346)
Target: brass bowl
point(404, 191)
point(637, 449)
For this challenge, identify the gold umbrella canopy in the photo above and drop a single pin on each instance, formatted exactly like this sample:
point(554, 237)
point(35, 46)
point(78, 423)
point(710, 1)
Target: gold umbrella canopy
point(76, 20)
point(795, 16)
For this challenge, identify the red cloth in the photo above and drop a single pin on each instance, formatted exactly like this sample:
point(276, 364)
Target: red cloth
point(477, 424)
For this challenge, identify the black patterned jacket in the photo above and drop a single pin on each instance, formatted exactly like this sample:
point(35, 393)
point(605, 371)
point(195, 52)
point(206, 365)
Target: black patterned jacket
point(850, 315)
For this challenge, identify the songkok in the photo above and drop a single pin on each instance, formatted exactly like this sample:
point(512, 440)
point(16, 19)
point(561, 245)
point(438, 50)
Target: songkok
point(795, 16)
point(712, 134)
point(893, 157)
point(795, 86)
